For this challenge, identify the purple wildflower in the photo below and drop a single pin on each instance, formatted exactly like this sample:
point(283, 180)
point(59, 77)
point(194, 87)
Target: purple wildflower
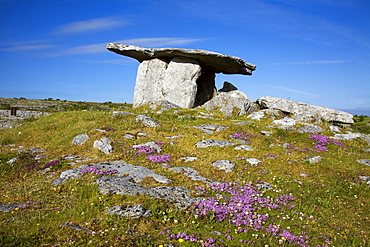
point(156, 158)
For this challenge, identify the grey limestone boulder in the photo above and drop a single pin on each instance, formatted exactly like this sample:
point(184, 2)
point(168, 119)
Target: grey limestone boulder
point(149, 79)
point(303, 111)
point(180, 81)
point(133, 212)
point(192, 174)
point(227, 101)
point(364, 162)
point(225, 165)
point(80, 139)
point(213, 143)
point(256, 115)
point(253, 161)
point(104, 145)
point(147, 121)
point(310, 128)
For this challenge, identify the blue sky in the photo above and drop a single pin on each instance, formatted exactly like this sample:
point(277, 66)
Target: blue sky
point(312, 51)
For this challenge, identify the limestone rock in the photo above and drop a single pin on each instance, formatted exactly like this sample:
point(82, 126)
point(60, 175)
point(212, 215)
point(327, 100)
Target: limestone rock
point(263, 185)
point(210, 128)
point(243, 147)
point(253, 161)
point(364, 161)
point(7, 207)
point(147, 121)
point(227, 87)
point(104, 145)
point(80, 139)
point(133, 212)
point(210, 61)
point(256, 115)
point(123, 185)
point(179, 84)
point(227, 101)
point(285, 121)
point(213, 143)
point(192, 174)
point(149, 80)
point(310, 128)
point(314, 160)
point(348, 136)
point(149, 144)
point(226, 165)
point(303, 111)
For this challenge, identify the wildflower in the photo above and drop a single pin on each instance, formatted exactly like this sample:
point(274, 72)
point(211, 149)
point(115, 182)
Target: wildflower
point(159, 158)
point(180, 240)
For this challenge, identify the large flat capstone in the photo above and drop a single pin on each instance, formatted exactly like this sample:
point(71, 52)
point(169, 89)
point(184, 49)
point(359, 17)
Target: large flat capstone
point(208, 60)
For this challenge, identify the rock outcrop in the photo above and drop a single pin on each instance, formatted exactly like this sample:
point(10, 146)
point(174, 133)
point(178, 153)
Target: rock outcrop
point(208, 60)
point(304, 112)
point(184, 77)
point(228, 98)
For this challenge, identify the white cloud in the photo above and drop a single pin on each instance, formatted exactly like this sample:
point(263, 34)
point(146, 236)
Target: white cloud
point(91, 25)
point(295, 91)
point(159, 42)
point(101, 47)
point(321, 62)
point(28, 47)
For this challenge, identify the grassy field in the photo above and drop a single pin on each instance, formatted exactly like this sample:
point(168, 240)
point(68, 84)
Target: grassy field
point(309, 204)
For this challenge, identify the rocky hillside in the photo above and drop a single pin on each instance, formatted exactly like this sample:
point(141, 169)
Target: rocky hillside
point(109, 175)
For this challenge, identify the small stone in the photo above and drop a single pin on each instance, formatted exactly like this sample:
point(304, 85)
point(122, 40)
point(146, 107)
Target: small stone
point(364, 161)
point(80, 139)
point(243, 147)
point(349, 136)
point(104, 145)
point(256, 115)
point(188, 158)
point(226, 165)
point(264, 186)
point(266, 132)
point(285, 121)
point(7, 207)
point(244, 123)
point(176, 136)
point(310, 128)
point(129, 136)
point(213, 143)
point(314, 160)
point(253, 161)
point(122, 113)
point(147, 121)
point(154, 145)
point(334, 129)
point(133, 212)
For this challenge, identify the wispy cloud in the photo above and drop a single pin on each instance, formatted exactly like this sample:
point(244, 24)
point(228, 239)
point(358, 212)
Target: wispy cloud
point(321, 62)
point(26, 45)
point(312, 62)
point(101, 47)
point(91, 25)
point(295, 91)
point(159, 42)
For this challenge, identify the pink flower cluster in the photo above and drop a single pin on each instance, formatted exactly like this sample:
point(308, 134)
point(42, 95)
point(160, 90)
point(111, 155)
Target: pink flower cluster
point(97, 171)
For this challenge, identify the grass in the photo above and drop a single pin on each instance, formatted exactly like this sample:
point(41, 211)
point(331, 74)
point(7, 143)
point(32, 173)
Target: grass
point(330, 201)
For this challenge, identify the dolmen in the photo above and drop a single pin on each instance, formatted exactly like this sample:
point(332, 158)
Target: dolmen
point(183, 77)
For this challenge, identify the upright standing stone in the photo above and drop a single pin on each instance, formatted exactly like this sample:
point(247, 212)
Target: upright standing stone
point(180, 81)
point(206, 88)
point(148, 88)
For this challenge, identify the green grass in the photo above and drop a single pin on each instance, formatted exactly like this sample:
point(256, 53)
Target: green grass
point(330, 203)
